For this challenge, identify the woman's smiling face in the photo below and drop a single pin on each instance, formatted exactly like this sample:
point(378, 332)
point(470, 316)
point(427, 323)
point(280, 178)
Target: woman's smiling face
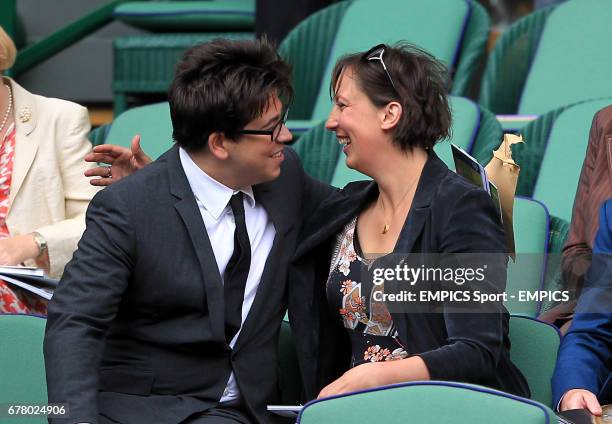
point(356, 122)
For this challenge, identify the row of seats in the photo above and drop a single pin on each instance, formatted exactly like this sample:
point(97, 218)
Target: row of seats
point(23, 381)
point(551, 58)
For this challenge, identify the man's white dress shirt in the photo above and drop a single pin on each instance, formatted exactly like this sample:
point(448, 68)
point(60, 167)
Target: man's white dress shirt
point(213, 199)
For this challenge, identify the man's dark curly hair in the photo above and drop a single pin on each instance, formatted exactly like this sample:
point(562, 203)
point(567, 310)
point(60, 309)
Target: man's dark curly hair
point(222, 85)
point(420, 87)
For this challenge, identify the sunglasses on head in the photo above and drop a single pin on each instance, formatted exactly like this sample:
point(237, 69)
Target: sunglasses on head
point(376, 54)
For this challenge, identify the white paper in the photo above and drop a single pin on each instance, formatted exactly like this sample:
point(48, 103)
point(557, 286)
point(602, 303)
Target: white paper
point(22, 270)
point(45, 294)
point(287, 411)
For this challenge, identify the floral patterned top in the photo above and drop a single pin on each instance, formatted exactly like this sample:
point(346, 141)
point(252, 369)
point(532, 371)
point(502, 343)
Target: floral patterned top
point(368, 322)
point(12, 300)
point(7, 151)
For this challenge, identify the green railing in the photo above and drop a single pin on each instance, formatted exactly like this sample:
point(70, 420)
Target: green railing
point(60, 39)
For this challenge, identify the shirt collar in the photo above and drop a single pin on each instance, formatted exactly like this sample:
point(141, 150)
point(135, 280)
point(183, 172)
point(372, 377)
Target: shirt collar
point(213, 195)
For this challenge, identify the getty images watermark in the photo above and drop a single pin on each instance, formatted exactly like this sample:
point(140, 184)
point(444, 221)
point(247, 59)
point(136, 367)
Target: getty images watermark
point(468, 283)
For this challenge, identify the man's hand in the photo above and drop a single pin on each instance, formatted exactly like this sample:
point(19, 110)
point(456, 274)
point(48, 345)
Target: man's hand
point(580, 399)
point(361, 377)
point(122, 161)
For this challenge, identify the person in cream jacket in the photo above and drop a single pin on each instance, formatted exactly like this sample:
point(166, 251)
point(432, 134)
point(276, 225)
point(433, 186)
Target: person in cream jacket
point(48, 193)
point(43, 193)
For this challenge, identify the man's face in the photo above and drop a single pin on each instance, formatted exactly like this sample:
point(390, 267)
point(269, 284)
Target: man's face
point(256, 158)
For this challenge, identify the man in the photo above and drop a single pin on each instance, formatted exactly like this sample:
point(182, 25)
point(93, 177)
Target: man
point(170, 310)
point(583, 376)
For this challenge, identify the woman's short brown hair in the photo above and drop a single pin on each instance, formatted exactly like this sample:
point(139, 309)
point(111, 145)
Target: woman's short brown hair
point(419, 85)
point(7, 51)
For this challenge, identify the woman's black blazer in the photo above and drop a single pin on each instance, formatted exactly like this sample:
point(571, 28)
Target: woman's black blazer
point(448, 215)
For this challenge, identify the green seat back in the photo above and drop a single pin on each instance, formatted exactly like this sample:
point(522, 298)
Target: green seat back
point(531, 232)
point(508, 64)
point(573, 59)
point(367, 23)
point(466, 122)
point(22, 373)
point(98, 135)
point(153, 124)
point(319, 152)
point(430, 402)
point(187, 16)
point(534, 346)
point(565, 150)
point(308, 47)
point(465, 130)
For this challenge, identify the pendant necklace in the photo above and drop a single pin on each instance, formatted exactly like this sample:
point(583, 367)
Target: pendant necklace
point(386, 226)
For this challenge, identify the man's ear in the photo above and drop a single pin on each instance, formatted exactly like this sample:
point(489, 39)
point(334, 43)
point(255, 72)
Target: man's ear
point(391, 115)
point(217, 145)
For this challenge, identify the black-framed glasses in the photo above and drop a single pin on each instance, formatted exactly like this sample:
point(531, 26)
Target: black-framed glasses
point(376, 53)
point(274, 133)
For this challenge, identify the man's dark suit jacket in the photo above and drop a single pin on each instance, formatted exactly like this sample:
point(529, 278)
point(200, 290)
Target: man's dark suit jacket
point(468, 347)
point(585, 355)
point(136, 327)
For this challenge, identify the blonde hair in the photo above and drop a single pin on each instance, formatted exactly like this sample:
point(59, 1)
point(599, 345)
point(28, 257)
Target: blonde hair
point(8, 51)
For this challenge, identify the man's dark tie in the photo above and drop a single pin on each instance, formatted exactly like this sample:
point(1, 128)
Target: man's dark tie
point(237, 270)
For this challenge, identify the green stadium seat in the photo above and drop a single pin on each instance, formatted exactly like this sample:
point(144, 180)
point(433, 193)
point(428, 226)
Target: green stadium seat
point(559, 137)
point(314, 46)
point(320, 152)
point(531, 234)
point(573, 59)
point(508, 64)
point(551, 58)
point(186, 16)
point(427, 402)
point(556, 185)
point(22, 373)
point(144, 64)
point(98, 135)
point(534, 346)
point(153, 124)
point(307, 48)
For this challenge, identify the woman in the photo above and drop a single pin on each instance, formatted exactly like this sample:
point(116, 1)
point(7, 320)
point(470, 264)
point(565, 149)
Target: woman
point(43, 195)
point(390, 108)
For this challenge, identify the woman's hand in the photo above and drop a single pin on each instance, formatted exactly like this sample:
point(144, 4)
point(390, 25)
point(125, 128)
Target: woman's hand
point(122, 161)
point(15, 250)
point(375, 374)
point(580, 399)
point(361, 377)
